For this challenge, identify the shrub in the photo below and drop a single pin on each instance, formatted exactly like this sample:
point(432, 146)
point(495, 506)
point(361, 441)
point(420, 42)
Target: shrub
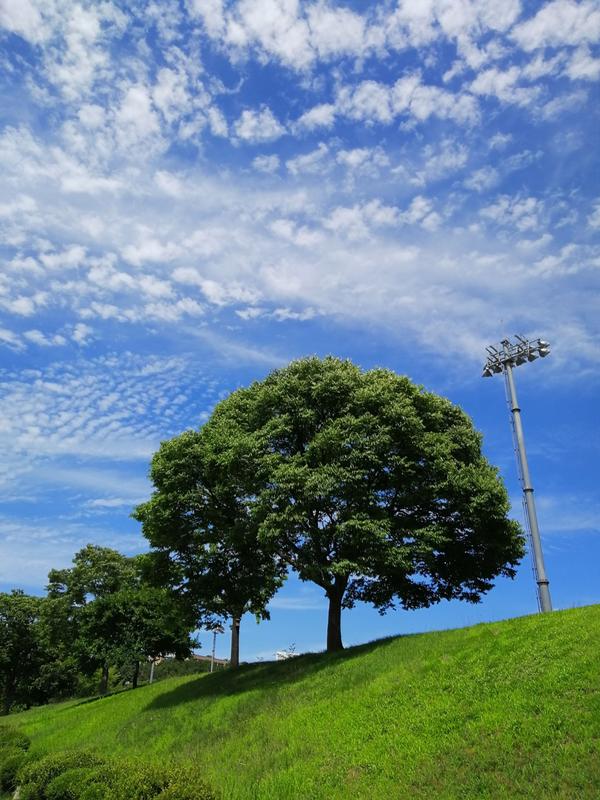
point(74, 783)
point(11, 737)
point(185, 791)
point(131, 781)
point(11, 761)
point(35, 776)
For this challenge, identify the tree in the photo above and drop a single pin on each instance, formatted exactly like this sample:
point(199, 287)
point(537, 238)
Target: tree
point(131, 625)
point(21, 654)
point(97, 573)
point(365, 484)
point(206, 545)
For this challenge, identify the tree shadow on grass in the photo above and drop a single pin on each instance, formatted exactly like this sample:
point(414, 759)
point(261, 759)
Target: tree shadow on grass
point(262, 675)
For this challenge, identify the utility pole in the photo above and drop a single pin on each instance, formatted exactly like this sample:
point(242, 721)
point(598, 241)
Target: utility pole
point(504, 359)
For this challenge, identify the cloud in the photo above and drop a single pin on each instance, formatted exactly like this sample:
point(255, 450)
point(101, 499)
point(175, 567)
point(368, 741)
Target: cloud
point(23, 18)
point(267, 164)
point(562, 22)
point(482, 179)
point(375, 102)
point(258, 126)
point(310, 163)
point(109, 408)
point(320, 116)
point(522, 213)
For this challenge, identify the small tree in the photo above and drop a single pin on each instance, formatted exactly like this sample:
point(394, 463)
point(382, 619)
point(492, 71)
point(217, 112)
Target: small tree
point(206, 546)
point(365, 484)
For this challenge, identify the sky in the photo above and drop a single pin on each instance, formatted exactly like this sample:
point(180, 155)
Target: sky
point(196, 192)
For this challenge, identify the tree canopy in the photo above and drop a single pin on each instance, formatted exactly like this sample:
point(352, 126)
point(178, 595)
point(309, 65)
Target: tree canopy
point(365, 484)
point(205, 540)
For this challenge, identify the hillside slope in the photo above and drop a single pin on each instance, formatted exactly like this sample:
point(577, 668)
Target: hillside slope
point(509, 709)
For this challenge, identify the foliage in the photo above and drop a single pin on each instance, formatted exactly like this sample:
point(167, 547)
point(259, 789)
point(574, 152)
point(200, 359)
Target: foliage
point(73, 783)
point(112, 617)
point(21, 653)
point(14, 739)
point(11, 761)
point(36, 775)
point(65, 777)
point(96, 572)
point(502, 711)
point(205, 543)
point(131, 625)
point(366, 484)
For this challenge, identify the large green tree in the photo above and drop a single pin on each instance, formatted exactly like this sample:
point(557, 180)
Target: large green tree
point(365, 484)
point(204, 538)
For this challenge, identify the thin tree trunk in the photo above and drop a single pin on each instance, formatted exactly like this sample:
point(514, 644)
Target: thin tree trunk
point(234, 660)
point(334, 617)
point(104, 678)
point(6, 702)
point(136, 675)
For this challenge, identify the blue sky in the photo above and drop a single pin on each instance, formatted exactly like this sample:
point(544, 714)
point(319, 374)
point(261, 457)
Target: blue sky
point(194, 193)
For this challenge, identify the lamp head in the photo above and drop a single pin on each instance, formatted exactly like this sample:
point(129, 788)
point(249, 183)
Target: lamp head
point(543, 348)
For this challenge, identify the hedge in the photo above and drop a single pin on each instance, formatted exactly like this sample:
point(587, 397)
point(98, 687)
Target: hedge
point(81, 775)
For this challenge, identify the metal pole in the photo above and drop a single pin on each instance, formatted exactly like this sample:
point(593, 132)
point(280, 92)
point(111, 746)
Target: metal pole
point(151, 671)
point(212, 658)
point(538, 556)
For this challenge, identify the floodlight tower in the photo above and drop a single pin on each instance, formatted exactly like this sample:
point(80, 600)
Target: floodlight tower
point(503, 358)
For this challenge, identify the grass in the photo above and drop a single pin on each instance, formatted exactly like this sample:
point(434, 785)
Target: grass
point(502, 710)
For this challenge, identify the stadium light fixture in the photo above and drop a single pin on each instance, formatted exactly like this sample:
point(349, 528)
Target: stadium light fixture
point(503, 358)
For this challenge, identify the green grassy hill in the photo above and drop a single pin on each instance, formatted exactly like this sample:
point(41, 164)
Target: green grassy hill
point(503, 710)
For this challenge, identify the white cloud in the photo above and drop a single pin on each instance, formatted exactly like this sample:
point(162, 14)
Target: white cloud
point(503, 84)
point(268, 164)
point(320, 116)
point(10, 339)
point(593, 219)
point(169, 183)
point(23, 18)
point(583, 66)
point(335, 31)
point(39, 338)
point(136, 119)
point(310, 163)
point(258, 126)
point(561, 22)
point(522, 213)
point(81, 333)
point(374, 102)
point(482, 179)
point(370, 101)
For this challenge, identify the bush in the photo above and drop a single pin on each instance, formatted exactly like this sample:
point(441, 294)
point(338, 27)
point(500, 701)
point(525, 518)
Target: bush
point(34, 777)
point(11, 761)
point(131, 781)
point(11, 737)
point(185, 791)
point(79, 775)
point(74, 783)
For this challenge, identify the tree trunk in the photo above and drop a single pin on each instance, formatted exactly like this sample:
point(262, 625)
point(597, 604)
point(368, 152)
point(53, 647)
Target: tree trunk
point(104, 678)
point(8, 694)
point(334, 617)
point(6, 702)
point(136, 675)
point(234, 660)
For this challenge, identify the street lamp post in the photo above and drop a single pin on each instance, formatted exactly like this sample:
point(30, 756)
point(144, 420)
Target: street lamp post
point(216, 630)
point(504, 359)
